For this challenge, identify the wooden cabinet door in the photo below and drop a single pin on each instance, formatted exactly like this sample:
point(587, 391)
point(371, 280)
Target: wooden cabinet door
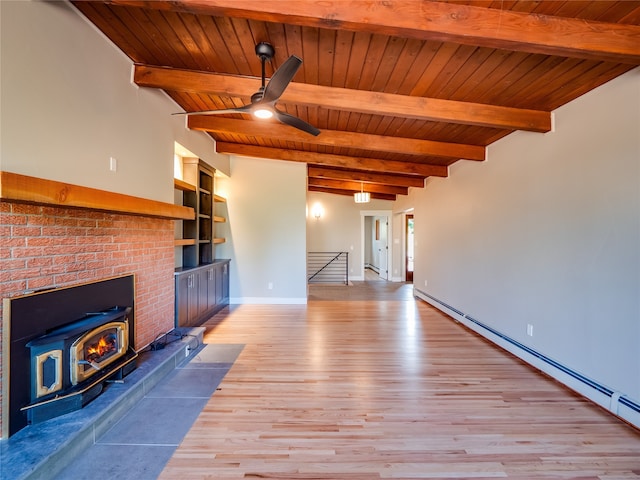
point(186, 300)
point(182, 300)
point(211, 288)
point(225, 283)
point(201, 292)
point(194, 300)
point(219, 284)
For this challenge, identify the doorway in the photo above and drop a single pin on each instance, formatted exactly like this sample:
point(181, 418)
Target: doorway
point(375, 228)
point(408, 248)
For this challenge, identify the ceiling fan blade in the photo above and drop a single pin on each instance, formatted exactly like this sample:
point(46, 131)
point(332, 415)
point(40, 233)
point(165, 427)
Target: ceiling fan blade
point(243, 109)
point(296, 122)
point(281, 78)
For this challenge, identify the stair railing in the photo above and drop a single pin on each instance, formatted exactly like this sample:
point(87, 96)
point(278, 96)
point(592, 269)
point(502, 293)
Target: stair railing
point(328, 267)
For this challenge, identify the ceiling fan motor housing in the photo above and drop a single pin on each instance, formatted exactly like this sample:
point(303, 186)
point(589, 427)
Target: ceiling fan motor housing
point(265, 51)
point(256, 97)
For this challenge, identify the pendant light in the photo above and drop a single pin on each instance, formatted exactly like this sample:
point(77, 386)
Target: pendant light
point(361, 196)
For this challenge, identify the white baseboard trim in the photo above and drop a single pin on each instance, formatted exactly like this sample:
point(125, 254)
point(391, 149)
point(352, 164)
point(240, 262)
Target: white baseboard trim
point(617, 403)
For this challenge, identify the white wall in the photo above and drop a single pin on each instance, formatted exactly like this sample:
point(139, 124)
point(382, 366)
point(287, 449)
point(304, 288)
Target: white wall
point(68, 105)
point(266, 231)
point(339, 228)
point(547, 232)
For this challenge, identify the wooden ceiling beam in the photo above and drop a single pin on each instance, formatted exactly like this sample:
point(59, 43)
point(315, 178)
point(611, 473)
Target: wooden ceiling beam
point(367, 177)
point(372, 103)
point(335, 138)
point(357, 163)
point(334, 191)
point(357, 186)
point(445, 22)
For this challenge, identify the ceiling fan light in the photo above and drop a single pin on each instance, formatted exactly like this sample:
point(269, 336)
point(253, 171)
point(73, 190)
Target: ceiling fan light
point(362, 197)
point(263, 113)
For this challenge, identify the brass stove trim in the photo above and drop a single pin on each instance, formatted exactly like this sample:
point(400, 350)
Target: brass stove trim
point(79, 392)
point(77, 374)
point(41, 388)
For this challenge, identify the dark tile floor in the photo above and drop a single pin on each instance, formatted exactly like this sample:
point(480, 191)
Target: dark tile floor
point(139, 445)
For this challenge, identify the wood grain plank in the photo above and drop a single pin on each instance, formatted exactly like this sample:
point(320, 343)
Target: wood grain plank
point(360, 163)
point(367, 382)
point(182, 185)
point(181, 242)
point(211, 123)
point(494, 28)
point(370, 177)
point(352, 187)
point(379, 103)
point(122, 26)
point(38, 191)
point(349, 193)
point(341, 58)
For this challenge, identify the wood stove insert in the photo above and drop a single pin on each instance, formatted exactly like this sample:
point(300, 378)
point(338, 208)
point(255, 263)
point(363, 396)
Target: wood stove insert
point(63, 345)
point(69, 364)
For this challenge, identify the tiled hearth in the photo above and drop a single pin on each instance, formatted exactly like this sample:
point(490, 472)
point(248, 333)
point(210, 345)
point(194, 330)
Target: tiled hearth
point(140, 421)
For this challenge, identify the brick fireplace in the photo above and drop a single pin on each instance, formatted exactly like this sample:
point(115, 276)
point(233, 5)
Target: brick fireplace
point(44, 247)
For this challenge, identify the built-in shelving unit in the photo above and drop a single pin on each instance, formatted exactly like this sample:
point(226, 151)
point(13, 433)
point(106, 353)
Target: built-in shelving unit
point(197, 193)
point(202, 282)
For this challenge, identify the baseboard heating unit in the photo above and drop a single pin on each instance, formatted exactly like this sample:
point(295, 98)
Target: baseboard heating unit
point(616, 402)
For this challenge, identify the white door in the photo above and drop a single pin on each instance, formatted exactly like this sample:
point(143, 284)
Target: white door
point(374, 244)
point(382, 228)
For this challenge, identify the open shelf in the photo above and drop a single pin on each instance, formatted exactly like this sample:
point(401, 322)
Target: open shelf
point(182, 185)
point(181, 242)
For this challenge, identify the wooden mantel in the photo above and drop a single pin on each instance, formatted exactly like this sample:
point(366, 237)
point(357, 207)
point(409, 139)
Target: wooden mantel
point(38, 191)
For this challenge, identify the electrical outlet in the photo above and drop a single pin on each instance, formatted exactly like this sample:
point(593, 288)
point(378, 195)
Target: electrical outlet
point(530, 329)
point(425, 283)
point(186, 351)
point(113, 164)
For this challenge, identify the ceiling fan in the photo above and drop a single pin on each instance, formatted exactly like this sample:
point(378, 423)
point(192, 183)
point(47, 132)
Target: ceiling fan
point(263, 102)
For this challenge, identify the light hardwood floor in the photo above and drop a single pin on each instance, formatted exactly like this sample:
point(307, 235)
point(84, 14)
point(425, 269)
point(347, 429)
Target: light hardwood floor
point(376, 384)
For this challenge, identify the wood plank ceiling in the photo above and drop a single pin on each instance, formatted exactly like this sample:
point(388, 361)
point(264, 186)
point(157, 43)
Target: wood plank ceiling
point(400, 89)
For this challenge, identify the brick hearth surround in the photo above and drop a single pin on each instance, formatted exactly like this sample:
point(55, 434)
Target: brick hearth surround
point(42, 247)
